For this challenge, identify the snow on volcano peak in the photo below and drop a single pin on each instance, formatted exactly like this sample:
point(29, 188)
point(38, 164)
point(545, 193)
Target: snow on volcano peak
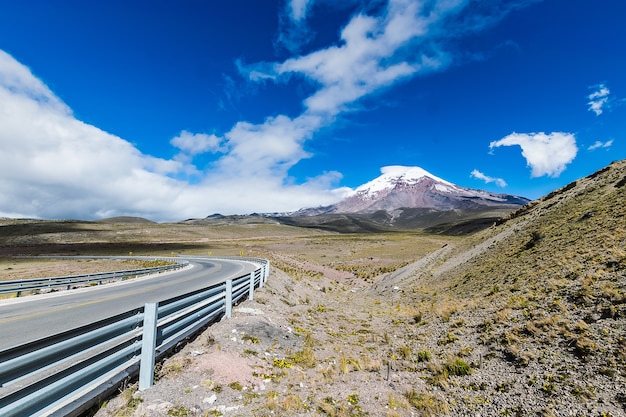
point(393, 174)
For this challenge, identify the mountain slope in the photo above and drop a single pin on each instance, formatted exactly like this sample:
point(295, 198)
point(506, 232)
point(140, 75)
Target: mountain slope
point(406, 198)
point(414, 187)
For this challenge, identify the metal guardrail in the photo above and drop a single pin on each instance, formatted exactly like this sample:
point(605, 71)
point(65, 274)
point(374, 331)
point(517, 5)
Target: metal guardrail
point(70, 281)
point(64, 374)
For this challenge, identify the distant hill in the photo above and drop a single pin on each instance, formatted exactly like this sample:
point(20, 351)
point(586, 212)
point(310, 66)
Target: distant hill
point(124, 219)
point(221, 220)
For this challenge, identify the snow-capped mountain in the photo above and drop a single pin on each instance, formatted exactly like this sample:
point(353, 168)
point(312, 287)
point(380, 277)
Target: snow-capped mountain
point(402, 198)
point(413, 187)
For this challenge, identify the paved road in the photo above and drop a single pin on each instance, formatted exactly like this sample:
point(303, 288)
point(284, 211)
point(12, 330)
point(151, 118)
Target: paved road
point(33, 317)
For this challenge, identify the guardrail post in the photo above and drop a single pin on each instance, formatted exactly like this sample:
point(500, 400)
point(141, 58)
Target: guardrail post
point(262, 276)
point(251, 296)
point(267, 270)
point(148, 344)
point(228, 302)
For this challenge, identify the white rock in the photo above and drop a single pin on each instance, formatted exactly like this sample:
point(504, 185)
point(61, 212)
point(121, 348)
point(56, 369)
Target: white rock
point(249, 310)
point(160, 406)
point(210, 400)
point(223, 409)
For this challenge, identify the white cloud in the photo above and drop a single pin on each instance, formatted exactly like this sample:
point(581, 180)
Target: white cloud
point(16, 77)
point(598, 145)
point(480, 176)
point(599, 99)
point(546, 154)
point(293, 32)
point(298, 9)
point(367, 60)
point(377, 50)
point(55, 166)
point(270, 148)
point(197, 143)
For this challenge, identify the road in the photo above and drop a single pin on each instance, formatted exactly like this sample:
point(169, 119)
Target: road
point(33, 317)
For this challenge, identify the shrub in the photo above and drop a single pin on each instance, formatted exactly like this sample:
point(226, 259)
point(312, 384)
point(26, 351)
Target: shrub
point(305, 357)
point(235, 386)
point(535, 237)
point(281, 363)
point(423, 356)
point(457, 367)
point(427, 403)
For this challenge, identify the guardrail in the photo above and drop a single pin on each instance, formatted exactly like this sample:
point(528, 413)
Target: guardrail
point(64, 374)
point(17, 286)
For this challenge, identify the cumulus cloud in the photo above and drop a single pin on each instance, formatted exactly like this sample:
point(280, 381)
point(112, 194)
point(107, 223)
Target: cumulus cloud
point(598, 144)
point(546, 154)
point(599, 99)
point(480, 176)
point(15, 77)
point(268, 149)
point(53, 165)
point(197, 143)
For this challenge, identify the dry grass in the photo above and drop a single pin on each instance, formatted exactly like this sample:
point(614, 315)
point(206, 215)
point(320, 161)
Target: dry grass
point(361, 256)
point(25, 268)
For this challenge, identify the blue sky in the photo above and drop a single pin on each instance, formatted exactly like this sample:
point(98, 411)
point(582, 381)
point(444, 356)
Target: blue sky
point(171, 110)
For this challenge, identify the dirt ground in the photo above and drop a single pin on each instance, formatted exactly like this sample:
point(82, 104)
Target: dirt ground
point(25, 268)
point(298, 348)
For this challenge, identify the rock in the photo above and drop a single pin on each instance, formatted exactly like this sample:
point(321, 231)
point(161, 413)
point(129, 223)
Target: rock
point(162, 406)
point(249, 311)
point(210, 400)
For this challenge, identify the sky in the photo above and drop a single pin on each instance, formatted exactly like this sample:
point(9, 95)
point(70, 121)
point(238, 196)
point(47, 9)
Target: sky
point(175, 110)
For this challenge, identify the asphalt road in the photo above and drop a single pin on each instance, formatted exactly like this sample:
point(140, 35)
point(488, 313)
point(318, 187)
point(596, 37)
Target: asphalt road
point(37, 316)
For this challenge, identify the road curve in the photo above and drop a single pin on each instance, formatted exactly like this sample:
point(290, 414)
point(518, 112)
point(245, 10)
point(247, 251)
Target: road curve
point(37, 316)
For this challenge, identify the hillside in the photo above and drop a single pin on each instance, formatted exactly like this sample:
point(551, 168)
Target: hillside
point(524, 318)
point(543, 292)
